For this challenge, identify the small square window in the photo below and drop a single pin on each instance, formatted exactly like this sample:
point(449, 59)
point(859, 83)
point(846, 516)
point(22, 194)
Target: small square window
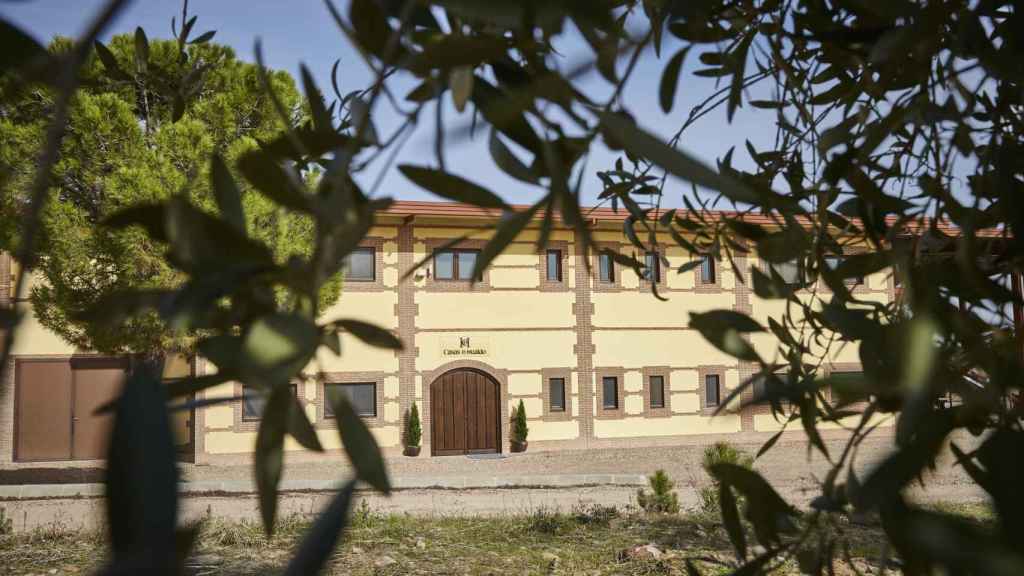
point(712, 390)
point(657, 386)
point(444, 265)
point(360, 265)
point(554, 265)
point(606, 268)
point(707, 269)
point(610, 393)
point(362, 396)
point(556, 390)
point(652, 267)
point(254, 401)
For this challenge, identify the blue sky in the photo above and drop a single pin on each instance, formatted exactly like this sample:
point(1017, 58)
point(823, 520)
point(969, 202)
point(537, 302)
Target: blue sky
point(302, 31)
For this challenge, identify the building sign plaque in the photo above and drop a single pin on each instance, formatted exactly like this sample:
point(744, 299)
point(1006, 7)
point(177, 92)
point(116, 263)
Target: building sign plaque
point(464, 346)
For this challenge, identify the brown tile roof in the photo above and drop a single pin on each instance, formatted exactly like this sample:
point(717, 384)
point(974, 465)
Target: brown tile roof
point(404, 208)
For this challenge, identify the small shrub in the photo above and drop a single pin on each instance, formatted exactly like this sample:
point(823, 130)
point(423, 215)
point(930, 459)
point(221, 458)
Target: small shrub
point(549, 521)
point(661, 498)
point(519, 429)
point(595, 514)
point(413, 431)
point(721, 453)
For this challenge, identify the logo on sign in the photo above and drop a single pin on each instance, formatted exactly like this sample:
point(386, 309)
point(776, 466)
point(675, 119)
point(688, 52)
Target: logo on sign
point(465, 346)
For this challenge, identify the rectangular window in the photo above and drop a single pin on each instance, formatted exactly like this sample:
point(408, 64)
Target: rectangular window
point(360, 265)
point(362, 396)
point(610, 392)
point(657, 386)
point(606, 268)
point(707, 269)
point(455, 264)
point(556, 390)
point(254, 400)
point(652, 267)
point(554, 265)
point(712, 391)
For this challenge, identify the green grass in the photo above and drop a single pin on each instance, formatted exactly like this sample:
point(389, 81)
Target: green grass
point(586, 541)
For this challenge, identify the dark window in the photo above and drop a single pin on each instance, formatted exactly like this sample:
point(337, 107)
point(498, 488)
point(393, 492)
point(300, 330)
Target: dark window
point(556, 389)
point(554, 265)
point(610, 389)
point(362, 396)
point(606, 268)
point(712, 391)
point(652, 267)
point(657, 386)
point(455, 264)
point(359, 265)
point(833, 263)
point(846, 385)
point(254, 400)
point(760, 387)
point(707, 269)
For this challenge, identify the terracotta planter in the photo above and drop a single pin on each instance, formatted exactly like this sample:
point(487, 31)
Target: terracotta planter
point(519, 446)
point(411, 451)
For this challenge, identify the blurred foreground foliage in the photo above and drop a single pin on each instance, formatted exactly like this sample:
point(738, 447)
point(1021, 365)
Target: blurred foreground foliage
point(898, 150)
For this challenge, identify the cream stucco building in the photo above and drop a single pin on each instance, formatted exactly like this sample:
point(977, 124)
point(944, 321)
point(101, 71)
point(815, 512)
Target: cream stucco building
point(596, 360)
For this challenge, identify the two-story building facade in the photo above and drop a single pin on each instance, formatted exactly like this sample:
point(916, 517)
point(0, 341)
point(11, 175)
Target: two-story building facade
point(596, 360)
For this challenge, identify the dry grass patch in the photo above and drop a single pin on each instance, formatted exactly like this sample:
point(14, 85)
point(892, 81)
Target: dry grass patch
point(586, 541)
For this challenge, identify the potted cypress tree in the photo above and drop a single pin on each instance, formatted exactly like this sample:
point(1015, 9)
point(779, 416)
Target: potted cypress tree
point(519, 429)
point(413, 432)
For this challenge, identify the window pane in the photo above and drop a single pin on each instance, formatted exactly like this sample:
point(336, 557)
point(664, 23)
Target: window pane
point(651, 267)
point(557, 389)
point(362, 397)
point(610, 386)
point(359, 264)
point(707, 269)
point(607, 269)
point(555, 265)
point(444, 268)
point(467, 261)
point(711, 390)
point(657, 384)
point(253, 402)
point(789, 271)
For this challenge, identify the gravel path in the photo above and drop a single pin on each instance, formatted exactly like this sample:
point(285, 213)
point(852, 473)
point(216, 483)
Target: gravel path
point(788, 466)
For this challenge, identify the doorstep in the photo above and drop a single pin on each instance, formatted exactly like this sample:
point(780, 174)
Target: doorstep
point(40, 491)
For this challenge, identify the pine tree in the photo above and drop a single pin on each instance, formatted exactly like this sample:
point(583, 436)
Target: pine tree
point(413, 432)
point(519, 428)
point(124, 147)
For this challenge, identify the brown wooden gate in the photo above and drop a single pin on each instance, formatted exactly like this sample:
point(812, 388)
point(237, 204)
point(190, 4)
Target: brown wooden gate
point(464, 414)
point(55, 407)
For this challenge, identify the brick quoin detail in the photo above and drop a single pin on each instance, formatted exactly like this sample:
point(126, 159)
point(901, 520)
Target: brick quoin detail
point(406, 325)
point(741, 292)
point(584, 349)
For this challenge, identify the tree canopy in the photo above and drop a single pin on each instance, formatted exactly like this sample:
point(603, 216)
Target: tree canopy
point(130, 141)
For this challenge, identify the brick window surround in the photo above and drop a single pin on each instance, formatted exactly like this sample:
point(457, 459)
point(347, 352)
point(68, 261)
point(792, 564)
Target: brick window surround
point(566, 375)
point(619, 374)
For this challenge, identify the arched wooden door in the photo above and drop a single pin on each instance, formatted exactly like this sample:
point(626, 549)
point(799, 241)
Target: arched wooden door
point(464, 414)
